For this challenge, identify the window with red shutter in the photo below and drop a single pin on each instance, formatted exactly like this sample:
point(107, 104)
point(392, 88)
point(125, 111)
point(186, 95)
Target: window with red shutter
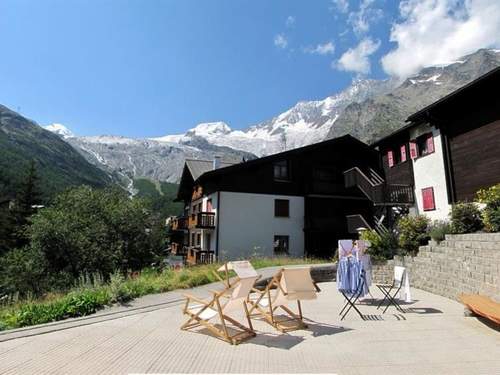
point(430, 144)
point(390, 158)
point(413, 150)
point(403, 153)
point(428, 199)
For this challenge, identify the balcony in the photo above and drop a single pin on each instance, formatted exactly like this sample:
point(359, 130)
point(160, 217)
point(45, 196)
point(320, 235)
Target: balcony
point(179, 223)
point(203, 220)
point(195, 255)
point(178, 249)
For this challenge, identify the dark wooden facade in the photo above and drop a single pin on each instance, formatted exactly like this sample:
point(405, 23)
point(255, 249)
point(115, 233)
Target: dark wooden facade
point(401, 172)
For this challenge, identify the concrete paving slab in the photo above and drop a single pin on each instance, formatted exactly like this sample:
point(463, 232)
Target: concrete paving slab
point(432, 337)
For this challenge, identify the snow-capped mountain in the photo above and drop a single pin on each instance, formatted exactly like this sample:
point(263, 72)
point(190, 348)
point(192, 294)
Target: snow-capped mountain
point(129, 158)
point(59, 129)
point(368, 110)
point(305, 123)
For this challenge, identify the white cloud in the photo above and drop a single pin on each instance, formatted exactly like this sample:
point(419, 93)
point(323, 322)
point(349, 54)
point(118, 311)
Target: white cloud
point(362, 19)
point(290, 21)
point(280, 41)
point(434, 32)
point(357, 59)
point(341, 5)
point(327, 48)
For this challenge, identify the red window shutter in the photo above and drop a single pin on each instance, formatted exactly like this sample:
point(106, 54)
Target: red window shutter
point(428, 199)
point(430, 144)
point(413, 150)
point(390, 158)
point(403, 153)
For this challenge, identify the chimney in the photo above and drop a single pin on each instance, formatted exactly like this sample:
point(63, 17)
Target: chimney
point(216, 163)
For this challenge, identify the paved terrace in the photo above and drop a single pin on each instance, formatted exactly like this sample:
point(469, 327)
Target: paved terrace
point(433, 337)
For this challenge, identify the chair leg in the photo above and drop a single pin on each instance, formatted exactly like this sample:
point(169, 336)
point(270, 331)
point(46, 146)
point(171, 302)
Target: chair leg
point(248, 316)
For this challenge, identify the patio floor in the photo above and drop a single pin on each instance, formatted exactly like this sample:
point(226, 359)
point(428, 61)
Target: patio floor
point(433, 337)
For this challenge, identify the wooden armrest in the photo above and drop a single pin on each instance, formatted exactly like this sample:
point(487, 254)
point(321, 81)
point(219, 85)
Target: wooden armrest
point(194, 298)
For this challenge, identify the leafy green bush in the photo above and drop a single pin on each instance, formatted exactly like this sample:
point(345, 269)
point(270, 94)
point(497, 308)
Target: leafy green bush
point(95, 231)
point(465, 218)
point(491, 213)
point(413, 232)
point(22, 271)
point(382, 246)
point(439, 229)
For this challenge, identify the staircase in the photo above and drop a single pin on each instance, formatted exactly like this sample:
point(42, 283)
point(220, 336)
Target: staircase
point(389, 199)
point(377, 190)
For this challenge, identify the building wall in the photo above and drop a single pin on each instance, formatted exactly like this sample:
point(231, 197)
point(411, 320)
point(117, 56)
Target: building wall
point(429, 171)
point(247, 225)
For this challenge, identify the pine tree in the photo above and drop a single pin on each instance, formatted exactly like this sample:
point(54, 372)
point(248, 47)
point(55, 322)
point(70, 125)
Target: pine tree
point(27, 197)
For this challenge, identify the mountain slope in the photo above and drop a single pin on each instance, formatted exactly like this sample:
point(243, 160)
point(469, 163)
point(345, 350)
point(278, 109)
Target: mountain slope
point(129, 159)
point(58, 164)
point(382, 114)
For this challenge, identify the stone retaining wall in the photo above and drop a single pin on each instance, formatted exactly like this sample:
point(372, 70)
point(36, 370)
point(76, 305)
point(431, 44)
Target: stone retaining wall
point(463, 263)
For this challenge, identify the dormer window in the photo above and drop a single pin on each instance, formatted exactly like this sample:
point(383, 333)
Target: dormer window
point(281, 170)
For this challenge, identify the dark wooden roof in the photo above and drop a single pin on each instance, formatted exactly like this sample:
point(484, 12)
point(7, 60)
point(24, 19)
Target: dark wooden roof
point(282, 155)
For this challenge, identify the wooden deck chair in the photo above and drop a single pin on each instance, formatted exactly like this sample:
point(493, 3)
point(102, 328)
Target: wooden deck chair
point(224, 302)
point(288, 285)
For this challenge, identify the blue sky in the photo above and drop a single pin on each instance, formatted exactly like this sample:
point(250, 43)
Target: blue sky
point(150, 68)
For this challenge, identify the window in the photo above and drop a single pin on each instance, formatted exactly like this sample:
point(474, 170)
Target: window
point(423, 145)
point(281, 170)
point(209, 205)
point(390, 159)
point(402, 150)
point(193, 239)
point(281, 208)
point(428, 199)
point(198, 239)
point(281, 244)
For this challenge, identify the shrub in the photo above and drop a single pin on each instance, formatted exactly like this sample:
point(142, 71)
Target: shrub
point(382, 246)
point(439, 229)
point(465, 218)
point(491, 213)
point(413, 232)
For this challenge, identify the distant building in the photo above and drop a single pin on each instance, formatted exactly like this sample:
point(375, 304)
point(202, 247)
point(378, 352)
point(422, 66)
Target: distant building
point(450, 149)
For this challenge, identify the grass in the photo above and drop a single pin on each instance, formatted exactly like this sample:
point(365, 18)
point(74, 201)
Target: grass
point(93, 294)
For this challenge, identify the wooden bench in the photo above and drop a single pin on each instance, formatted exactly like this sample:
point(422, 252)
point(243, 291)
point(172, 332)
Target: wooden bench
point(482, 306)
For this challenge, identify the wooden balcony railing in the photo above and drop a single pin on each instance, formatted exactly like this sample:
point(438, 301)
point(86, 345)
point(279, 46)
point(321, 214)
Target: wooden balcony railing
point(178, 249)
point(202, 220)
point(197, 256)
point(179, 223)
point(379, 193)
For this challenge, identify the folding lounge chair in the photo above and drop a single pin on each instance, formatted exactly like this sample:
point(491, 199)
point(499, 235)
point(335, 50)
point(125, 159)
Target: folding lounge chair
point(390, 291)
point(289, 284)
point(231, 299)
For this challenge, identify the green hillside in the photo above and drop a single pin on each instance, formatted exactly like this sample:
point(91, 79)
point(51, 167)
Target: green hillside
point(161, 194)
point(58, 164)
